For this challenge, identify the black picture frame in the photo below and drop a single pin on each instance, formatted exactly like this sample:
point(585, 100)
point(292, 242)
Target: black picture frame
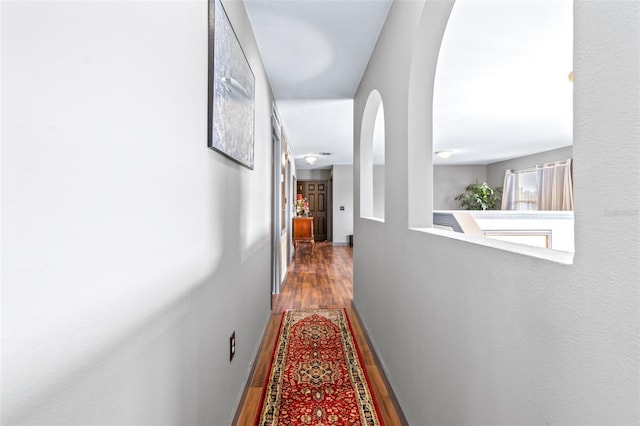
point(231, 87)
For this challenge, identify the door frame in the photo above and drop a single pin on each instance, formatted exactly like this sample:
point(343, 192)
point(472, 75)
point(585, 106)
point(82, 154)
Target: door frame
point(276, 227)
point(330, 209)
point(290, 206)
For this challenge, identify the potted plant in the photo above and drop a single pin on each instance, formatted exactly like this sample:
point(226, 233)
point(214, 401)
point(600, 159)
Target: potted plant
point(480, 196)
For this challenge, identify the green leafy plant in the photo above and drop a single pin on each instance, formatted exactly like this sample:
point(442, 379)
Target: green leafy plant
point(480, 196)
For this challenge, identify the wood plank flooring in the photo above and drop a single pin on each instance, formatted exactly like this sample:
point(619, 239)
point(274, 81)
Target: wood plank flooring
point(321, 281)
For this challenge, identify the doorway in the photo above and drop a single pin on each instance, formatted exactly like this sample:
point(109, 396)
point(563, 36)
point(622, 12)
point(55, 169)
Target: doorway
point(317, 194)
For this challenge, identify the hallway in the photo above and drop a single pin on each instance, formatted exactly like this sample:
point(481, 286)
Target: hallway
point(324, 280)
point(131, 251)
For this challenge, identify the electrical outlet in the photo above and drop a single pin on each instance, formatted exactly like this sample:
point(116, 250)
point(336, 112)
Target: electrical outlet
point(232, 346)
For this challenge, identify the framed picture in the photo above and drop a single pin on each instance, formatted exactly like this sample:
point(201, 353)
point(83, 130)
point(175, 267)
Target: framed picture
point(231, 106)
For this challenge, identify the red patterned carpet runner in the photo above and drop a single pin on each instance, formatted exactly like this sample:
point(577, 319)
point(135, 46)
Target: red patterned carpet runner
point(316, 375)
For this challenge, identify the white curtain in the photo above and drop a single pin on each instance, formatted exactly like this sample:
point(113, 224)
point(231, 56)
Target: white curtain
point(546, 187)
point(555, 186)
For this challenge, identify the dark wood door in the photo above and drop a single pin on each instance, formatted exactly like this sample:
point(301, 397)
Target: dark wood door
point(316, 193)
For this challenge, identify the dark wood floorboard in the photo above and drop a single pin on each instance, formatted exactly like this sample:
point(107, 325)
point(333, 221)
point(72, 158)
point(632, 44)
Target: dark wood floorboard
point(323, 280)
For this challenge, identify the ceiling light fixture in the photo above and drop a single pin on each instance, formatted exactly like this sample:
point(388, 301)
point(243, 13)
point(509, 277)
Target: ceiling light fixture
point(310, 159)
point(444, 154)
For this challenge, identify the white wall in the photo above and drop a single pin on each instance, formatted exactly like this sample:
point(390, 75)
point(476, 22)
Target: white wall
point(470, 334)
point(378, 190)
point(130, 251)
point(449, 181)
point(342, 196)
point(495, 171)
point(313, 174)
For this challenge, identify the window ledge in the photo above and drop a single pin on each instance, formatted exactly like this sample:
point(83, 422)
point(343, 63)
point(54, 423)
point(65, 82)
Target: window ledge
point(374, 219)
point(565, 258)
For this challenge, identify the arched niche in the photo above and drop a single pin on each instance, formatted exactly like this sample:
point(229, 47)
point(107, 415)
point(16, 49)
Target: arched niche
point(372, 142)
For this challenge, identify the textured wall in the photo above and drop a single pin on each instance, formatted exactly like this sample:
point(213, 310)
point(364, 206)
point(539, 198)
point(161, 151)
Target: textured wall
point(130, 251)
point(449, 181)
point(470, 334)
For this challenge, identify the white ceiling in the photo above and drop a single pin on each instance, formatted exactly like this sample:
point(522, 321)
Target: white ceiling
point(316, 49)
point(501, 87)
point(319, 126)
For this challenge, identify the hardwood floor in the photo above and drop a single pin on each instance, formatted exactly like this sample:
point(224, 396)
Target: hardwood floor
point(324, 280)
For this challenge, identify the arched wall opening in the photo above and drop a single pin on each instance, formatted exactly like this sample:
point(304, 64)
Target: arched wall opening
point(507, 102)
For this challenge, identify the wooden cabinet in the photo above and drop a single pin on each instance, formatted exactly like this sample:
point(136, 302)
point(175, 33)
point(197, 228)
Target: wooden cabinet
point(302, 232)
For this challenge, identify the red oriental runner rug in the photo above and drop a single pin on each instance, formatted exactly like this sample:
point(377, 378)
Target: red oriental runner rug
point(316, 375)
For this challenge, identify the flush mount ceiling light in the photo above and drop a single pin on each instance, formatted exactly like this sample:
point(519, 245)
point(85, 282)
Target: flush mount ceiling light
point(310, 159)
point(444, 154)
